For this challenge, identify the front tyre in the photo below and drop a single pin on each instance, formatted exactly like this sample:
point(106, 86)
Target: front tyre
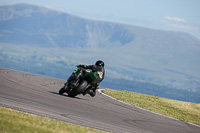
point(62, 90)
point(79, 89)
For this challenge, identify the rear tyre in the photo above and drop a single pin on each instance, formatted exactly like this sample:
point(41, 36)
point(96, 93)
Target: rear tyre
point(79, 89)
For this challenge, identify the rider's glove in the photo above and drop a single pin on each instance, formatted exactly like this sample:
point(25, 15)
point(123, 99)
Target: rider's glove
point(79, 66)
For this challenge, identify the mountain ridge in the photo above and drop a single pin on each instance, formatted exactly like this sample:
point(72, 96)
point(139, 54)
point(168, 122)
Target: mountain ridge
point(65, 30)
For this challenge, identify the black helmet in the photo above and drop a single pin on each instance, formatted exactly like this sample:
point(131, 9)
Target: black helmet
point(99, 63)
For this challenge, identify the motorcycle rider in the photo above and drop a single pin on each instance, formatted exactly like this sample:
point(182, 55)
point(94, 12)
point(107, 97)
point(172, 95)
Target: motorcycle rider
point(99, 68)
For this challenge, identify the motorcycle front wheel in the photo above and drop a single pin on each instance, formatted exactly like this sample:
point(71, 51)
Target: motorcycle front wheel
point(62, 90)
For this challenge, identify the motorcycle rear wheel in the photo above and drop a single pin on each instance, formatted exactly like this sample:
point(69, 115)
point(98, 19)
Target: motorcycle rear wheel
point(79, 89)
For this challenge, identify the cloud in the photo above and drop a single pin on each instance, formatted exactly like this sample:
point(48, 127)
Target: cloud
point(175, 19)
point(179, 23)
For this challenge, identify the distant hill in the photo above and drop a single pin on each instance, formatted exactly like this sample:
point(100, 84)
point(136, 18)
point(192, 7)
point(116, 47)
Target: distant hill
point(27, 24)
point(131, 53)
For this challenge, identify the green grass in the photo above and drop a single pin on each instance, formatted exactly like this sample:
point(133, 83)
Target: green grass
point(185, 111)
point(15, 121)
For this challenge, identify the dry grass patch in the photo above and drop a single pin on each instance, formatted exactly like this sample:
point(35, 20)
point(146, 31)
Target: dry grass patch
point(185, 111)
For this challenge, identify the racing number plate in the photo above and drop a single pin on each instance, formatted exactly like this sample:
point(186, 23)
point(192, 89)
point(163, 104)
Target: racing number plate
point(100, 74)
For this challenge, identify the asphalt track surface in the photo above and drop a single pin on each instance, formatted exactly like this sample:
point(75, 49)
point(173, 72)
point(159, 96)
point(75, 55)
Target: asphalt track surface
point(39, 95)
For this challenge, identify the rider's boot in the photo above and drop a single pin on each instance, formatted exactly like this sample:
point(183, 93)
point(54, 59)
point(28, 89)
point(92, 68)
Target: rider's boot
point(92, 93)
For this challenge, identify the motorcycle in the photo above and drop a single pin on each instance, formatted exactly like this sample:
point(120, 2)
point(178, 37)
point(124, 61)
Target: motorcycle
point(82, 85)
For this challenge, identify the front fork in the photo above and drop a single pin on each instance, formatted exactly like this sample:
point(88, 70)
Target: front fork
point(72, 81)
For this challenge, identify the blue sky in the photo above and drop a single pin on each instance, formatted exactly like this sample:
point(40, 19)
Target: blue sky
point(173, 15)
